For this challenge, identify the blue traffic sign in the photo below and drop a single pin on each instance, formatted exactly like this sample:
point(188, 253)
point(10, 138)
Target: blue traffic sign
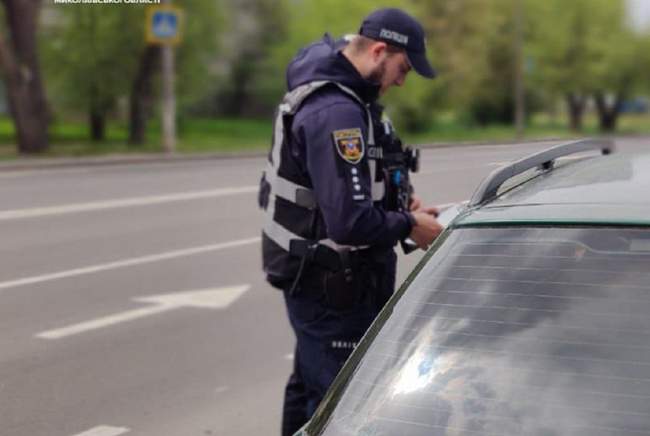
point(163, 25)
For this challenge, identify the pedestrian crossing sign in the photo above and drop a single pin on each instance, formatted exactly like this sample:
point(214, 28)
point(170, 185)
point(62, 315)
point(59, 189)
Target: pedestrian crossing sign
point(164, 25)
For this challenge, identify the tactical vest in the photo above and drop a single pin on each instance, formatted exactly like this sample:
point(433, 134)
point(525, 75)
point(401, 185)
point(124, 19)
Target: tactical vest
point(287, 197)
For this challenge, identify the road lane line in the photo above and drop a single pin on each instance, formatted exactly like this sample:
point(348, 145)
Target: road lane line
point(6, 215)
point(104, 430)
point(214, 298)
point(136, 261)
point(106, 321)
point(127, 262)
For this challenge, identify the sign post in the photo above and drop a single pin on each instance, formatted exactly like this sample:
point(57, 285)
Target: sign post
point(164, 29)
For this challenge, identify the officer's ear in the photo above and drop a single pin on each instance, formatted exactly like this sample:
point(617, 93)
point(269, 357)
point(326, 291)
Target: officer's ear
point(378, 51)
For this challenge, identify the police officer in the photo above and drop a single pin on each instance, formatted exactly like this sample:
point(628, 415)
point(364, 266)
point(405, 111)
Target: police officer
point(328, 239)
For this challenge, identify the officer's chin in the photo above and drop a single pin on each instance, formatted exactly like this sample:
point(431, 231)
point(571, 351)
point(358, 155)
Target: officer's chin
point(383, 89)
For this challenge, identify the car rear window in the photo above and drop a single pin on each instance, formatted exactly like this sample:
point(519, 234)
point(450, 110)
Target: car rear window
point(509, 331)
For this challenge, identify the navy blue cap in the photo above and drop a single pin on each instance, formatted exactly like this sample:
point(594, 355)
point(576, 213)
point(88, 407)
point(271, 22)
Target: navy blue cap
point(397, 28)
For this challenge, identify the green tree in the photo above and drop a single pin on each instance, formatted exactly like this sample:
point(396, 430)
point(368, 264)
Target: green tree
point(584, 48)
point(561, 44)
point(20, 70)
point(492, 99)
point(90, 58)
point(142, 94)
point(458, 43)
point(619, 71)
point(97, 55)
point(254, 27)
point(410, 107)
point(473, 47)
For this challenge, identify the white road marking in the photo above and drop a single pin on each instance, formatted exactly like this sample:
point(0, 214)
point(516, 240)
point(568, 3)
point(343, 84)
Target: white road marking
point(127, 262)
point(217, 298)
point(11, 174)
point(104, 430)
point(221, 389)
point(289, 356)
point(8, 174)
point(6, 215)
point(58, 170)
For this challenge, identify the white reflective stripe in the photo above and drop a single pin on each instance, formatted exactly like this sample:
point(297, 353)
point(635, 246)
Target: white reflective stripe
point(386, 127)
point(371, 130)
point(279, 234)
point(290, 103)
point(278, 138)
point(294, 98)
point(282, 187)
point(289, 191)
point(376, 188)
point(283, 237)
point(286, 189)
point(284, 108)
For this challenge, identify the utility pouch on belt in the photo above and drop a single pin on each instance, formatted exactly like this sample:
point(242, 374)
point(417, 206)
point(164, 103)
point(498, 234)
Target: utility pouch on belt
point(343, 289)
point(335, 273)
point(316, 253)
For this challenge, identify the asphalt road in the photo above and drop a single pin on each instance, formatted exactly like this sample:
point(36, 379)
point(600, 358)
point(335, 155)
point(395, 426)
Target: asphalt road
point(132, 300)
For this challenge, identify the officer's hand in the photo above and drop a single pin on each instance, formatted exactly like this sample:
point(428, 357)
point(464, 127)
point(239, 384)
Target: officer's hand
point(416, 206)
point(416, 203)
point(426, 229)
point(431, 210)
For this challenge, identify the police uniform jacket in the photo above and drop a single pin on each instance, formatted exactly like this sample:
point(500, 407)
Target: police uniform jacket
point(325, 148)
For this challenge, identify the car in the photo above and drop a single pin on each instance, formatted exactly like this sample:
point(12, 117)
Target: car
point(530, 314)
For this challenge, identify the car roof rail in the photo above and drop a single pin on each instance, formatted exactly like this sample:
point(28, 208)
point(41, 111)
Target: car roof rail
point(543, 160)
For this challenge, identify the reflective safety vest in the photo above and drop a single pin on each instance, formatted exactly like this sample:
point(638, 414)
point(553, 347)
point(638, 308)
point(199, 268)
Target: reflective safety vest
point(288, 200)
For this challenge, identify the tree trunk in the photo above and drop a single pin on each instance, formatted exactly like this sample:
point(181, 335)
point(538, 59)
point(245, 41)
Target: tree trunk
point(97, 125)
point(19, 62)
point(141, 95)
point(608, 114)
point(241, 77)
point(576, 105)
point(96, 115)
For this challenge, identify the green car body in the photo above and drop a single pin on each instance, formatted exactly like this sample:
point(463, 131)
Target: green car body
point(530, 314)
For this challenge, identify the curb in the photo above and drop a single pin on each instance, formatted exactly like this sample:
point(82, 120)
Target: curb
point(35, 163)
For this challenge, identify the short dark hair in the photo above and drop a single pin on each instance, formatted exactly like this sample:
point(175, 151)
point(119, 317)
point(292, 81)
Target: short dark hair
point(360, 43)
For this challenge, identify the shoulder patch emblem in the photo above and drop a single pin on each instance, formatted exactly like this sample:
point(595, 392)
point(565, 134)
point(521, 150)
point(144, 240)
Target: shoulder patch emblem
point(349, 144)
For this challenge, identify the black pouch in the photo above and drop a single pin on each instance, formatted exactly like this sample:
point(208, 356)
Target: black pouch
point(343, 290)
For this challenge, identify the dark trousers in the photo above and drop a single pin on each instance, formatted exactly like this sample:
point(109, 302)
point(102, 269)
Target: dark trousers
point(325, 337)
